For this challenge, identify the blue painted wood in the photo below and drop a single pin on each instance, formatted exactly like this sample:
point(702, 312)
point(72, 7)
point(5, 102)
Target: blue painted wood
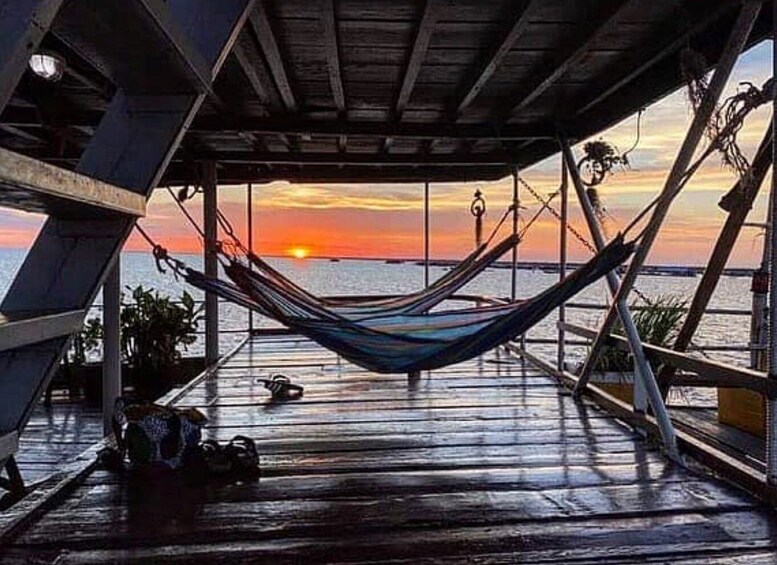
point(131, 148)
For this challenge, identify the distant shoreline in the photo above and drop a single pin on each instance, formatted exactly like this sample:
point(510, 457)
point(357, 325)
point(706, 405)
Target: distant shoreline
point(544, 266)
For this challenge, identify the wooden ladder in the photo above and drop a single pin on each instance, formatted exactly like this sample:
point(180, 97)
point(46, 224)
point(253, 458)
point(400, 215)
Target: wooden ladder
point(162, 58)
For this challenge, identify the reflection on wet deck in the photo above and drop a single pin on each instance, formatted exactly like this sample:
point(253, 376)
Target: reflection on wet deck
point(484, 461)
point(55, 435)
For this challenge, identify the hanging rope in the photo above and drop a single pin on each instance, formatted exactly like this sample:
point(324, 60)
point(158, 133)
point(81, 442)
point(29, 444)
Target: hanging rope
point(161, 256)
point(186, 213)
point(729, 119)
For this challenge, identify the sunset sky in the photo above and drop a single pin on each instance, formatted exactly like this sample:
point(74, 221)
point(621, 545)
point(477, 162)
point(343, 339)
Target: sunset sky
point(386, 220)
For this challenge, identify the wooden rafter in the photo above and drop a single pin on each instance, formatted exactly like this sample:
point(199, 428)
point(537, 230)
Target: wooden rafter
point(420, 45)
point(486, 68)
point(327, 13)
point(262, 27)
point(572, 56)
point(639, 62)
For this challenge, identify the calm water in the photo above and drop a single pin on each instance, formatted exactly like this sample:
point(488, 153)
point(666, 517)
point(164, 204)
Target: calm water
point(375, 277)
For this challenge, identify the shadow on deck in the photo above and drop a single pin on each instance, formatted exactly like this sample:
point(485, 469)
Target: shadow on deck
point(485, 461)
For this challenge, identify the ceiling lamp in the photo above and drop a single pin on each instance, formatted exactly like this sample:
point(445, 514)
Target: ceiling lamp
point(48, 66)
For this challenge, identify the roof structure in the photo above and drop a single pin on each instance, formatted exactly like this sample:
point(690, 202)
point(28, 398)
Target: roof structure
point(367, 91)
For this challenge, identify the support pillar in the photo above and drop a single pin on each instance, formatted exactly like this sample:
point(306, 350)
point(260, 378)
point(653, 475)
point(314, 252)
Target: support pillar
point(643, 372)
point(771, 403)
point(210, 203)
point(111, 376)
point(426, 234)
point(514, 254)
point(250, 227)
point(562, 260)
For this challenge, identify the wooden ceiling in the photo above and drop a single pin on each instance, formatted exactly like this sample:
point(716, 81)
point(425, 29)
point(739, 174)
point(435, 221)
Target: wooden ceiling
point(395, 90)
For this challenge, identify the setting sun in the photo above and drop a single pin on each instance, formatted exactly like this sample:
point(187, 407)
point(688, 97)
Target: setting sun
point(299, 252)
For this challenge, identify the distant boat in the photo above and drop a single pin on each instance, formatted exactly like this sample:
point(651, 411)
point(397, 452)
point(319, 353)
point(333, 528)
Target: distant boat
point(394, 261)
point(333, 260)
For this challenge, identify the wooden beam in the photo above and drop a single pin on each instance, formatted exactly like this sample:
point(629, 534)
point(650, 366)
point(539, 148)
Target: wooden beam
point(485, 68)
point(406, 130)
point(579, 49)
point(252, 74)
point(420, 45)
point(637, 63)
point(262, 27)
point(363, 159)
point(34, 186)
point(712, 373)
point(31, 117)
point(327, 14)
point(417, 54)
point(744, 195)
point(180, 173)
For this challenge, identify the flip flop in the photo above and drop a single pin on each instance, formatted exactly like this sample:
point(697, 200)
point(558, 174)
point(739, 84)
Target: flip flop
point(281, 388)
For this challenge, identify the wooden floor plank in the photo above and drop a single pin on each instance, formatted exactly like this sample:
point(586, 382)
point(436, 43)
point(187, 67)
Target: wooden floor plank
point(487, 461)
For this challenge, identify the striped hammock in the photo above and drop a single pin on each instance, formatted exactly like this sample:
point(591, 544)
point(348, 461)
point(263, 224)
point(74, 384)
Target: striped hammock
point(414, 303)
point(397, 343)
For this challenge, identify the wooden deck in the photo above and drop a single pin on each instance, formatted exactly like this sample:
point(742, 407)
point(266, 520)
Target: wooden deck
point(484, 462)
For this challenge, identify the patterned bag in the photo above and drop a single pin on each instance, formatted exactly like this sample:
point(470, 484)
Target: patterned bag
point(151, 434)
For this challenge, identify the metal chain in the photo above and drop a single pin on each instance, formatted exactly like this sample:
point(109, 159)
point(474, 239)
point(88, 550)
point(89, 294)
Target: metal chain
point(546, 205)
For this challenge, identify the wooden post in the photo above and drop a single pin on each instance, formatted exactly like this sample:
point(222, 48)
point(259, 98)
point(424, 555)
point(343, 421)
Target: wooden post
point(562, 259)
point(736, 41)
point(759, 331)
point(514, 254)
point(426, 234)
point(111, 376)
point(771, 403)
point(210, 204)
point(643, 373)
point(250, 227)
point(743, 194)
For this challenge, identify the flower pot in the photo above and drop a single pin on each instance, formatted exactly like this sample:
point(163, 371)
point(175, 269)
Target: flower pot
point(618, 384)
point(742, 409)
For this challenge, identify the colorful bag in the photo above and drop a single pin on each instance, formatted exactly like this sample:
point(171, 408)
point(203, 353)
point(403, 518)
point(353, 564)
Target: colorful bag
point(150, 434)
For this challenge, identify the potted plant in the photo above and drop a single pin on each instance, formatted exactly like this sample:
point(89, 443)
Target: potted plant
point(154, 327)
point(657, 324)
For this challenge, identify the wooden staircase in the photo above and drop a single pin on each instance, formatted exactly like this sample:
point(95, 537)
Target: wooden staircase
point(162, 57)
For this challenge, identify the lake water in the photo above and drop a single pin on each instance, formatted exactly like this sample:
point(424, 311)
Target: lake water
point(344, 277)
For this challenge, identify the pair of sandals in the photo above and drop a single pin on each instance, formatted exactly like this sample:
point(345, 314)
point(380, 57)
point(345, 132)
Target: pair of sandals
point(281, 388)
point(239, 456)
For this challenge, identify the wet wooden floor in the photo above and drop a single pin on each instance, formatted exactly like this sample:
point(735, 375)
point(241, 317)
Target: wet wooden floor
point(482, 462)
point(54, 436)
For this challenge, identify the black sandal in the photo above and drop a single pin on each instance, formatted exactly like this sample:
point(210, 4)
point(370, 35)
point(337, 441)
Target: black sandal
point(281, 388)
point(216, 459)
point(241, 452)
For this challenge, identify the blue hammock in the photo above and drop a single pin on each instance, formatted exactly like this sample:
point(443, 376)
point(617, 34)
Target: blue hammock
point(388, 343)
